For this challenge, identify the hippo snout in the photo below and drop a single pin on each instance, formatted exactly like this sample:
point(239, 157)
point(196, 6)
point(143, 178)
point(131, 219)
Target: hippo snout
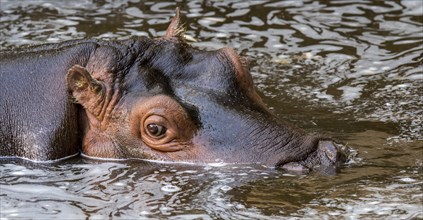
point(330, 153)
point(327, 157)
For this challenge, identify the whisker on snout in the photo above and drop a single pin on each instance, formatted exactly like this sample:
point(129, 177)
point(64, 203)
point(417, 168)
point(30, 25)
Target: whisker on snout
point(244, 63)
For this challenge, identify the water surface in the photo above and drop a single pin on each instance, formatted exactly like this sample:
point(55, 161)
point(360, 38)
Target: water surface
point(352, 70)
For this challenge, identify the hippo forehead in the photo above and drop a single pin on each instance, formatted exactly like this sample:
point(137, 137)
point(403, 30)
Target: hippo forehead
point(179, 63)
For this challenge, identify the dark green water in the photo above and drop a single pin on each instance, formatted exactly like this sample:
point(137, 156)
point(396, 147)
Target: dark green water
point(352, 70)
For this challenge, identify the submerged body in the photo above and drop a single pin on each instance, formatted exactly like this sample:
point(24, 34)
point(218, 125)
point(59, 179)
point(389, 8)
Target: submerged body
point(145, 98)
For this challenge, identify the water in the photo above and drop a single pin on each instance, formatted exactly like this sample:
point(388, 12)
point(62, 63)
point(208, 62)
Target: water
point(352, 70)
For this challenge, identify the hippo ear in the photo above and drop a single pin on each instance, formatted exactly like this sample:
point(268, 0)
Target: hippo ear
point(175, 28)
point(87, 91)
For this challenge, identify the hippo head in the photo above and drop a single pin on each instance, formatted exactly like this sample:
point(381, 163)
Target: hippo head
point(174, 102)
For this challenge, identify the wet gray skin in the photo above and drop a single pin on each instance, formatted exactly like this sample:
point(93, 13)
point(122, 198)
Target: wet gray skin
point(158, 99)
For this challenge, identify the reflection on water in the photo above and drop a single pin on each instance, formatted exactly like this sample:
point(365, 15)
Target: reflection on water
point(137, 189)
point(351, 70)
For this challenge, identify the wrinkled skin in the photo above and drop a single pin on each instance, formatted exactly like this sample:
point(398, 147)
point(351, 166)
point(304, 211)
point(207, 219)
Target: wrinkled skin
point(145, 98)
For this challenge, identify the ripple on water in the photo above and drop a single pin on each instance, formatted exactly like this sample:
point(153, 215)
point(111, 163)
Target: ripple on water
point(170, 188)
point(348, 68)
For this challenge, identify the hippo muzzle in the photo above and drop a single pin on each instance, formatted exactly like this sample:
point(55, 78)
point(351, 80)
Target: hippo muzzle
point(327, 157)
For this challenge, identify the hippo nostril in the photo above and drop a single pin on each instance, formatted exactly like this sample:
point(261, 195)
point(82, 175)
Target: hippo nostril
point(329, 149)
point(325, 157)
point(332, 152)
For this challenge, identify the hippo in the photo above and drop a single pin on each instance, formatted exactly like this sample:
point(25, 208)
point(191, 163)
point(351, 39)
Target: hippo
point(157, 99)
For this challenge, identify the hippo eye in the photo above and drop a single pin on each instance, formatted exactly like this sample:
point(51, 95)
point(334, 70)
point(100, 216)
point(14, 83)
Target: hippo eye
point(162, 124)
point(156, 130)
